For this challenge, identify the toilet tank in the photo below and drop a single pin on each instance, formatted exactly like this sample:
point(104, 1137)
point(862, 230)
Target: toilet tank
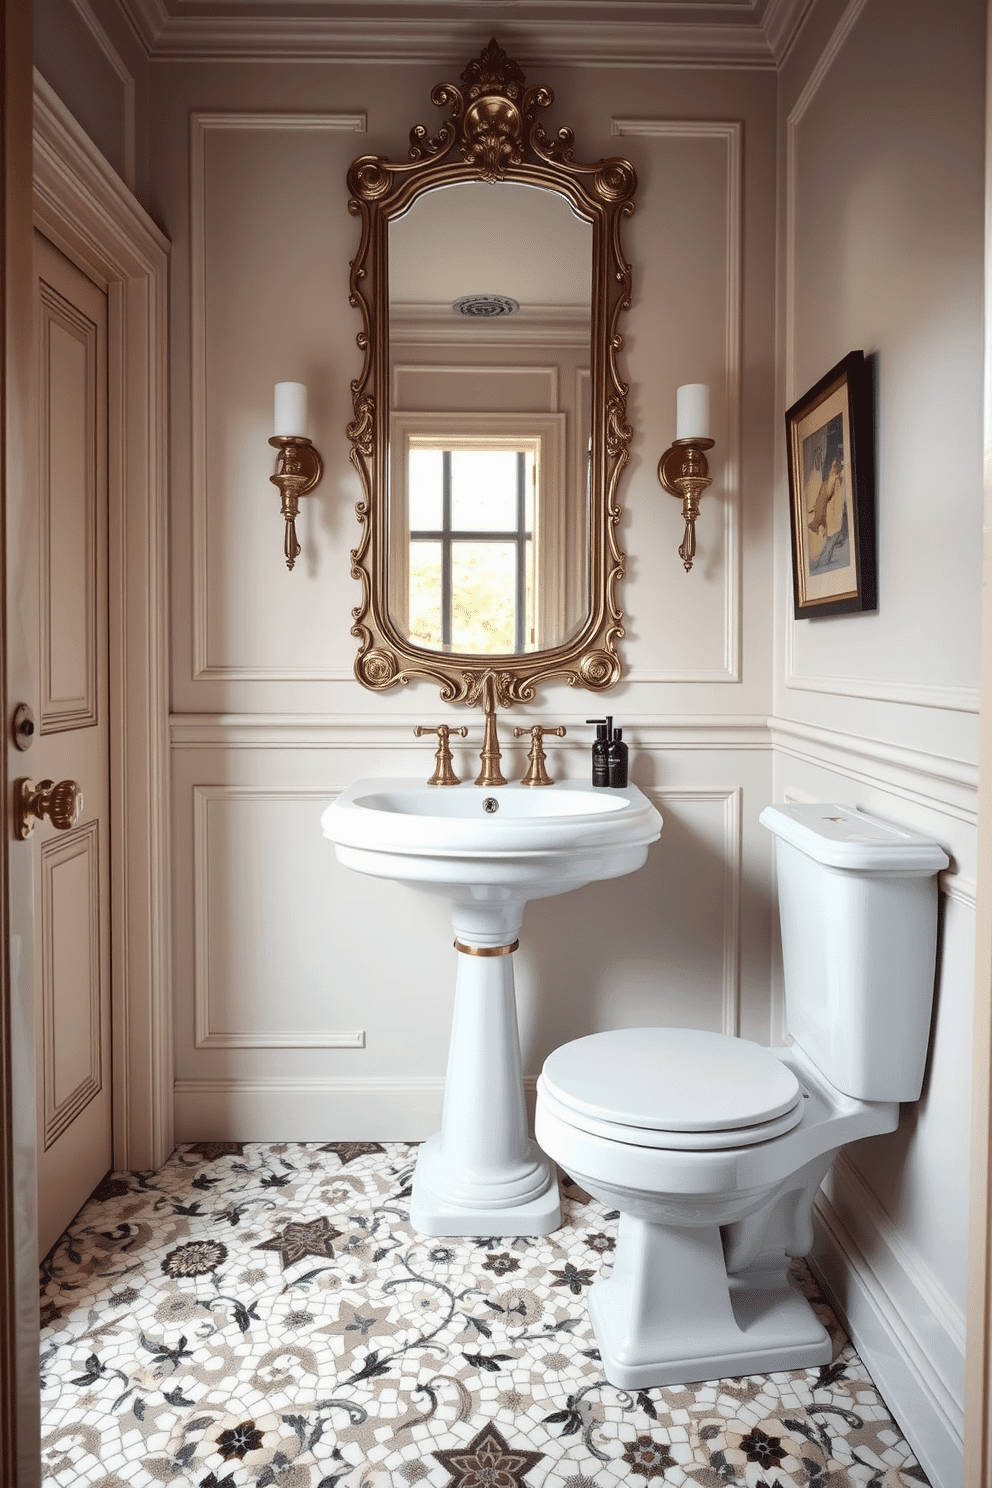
point(858, 914)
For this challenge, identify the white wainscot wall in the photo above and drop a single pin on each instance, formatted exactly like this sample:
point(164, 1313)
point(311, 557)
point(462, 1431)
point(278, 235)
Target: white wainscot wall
point(313, 1002)
point(893, 1213)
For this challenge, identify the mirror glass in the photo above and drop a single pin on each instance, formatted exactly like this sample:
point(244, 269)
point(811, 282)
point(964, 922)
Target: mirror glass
point(490, 331)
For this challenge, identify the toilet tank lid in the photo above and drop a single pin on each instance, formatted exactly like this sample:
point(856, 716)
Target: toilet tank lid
point(844, 837)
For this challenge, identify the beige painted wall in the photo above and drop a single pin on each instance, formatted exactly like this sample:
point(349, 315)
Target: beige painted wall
point(882, 198)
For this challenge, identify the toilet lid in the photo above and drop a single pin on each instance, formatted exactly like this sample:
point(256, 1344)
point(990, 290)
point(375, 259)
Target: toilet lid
point(672, 1080)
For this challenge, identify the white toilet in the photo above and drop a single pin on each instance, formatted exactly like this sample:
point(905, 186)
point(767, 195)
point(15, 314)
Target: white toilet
point(713, 1148)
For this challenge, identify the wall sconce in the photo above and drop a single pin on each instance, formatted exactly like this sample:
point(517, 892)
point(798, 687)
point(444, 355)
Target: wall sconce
point(683, 470)
point(300, 467)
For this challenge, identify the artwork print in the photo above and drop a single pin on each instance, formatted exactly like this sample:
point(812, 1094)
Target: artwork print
point(827, 498)
point(832, 493)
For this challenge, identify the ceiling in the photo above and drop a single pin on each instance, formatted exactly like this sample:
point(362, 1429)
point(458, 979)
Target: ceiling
point(685, 33)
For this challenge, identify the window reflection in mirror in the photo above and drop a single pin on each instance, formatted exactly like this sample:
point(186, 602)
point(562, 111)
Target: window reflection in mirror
point(471, 548)
point(488, 549)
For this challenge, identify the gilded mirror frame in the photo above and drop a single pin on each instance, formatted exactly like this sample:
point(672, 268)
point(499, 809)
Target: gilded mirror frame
point(494, 133)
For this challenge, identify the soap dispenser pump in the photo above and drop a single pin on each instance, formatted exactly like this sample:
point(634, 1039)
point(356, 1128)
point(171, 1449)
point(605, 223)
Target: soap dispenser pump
point(600, 750)
point(616, 761)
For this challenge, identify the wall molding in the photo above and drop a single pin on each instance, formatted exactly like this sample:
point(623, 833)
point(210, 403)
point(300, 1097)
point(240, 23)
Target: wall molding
point(931, 780)
point(731, 134)
point(732, 801)
point(382, 730)
point(960, 699)
point(202, 124)
point(914, 694)
point(83, 207)
point(117, 65)
point(905, 1327)
point(963, 891)
point(440, 33)
point(205, 1036)
point(795, 117)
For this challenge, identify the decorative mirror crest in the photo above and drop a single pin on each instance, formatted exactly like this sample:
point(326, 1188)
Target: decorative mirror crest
point(494, 134)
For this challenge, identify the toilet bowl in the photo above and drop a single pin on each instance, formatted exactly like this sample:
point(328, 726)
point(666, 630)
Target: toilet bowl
point(712, 1147)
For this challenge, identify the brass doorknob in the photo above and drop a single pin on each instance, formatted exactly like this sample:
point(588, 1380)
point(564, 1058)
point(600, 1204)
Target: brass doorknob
point(61, 803)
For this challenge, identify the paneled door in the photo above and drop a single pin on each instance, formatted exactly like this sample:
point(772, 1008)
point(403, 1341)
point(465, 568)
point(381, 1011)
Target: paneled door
point(70, 743)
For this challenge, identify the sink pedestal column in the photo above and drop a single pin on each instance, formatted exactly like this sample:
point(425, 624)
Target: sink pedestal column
point(481, 1174)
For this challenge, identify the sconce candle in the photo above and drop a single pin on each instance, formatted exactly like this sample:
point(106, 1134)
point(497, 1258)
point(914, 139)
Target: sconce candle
point(683, 470)
point(692, 411)
point(300, 467)
point(291, 409)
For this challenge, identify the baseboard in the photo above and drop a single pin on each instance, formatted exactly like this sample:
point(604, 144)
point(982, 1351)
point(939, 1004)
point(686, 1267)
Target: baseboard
point(285, 1109)
point(906, 1329)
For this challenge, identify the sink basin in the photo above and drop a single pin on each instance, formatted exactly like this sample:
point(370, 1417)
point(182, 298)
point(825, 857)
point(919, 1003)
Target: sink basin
point(541, 841)
point(488, 850)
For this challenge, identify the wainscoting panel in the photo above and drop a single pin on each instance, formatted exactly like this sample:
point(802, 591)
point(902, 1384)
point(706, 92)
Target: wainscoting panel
point(248, 175)
point(248, 922)
point(902, 1322)
point(315, 1002)
point(689, 631)
point(891, 1243)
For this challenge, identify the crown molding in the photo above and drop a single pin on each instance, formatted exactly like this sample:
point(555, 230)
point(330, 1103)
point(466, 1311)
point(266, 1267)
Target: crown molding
point(782, 23)
point(746, 35)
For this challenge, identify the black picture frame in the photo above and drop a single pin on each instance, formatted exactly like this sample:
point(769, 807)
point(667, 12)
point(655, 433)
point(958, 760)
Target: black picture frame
point(830, 439)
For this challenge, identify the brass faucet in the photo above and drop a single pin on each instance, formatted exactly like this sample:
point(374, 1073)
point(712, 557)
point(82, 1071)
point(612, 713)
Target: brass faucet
point(490, 774)
point(537, 773)
point(443, 772)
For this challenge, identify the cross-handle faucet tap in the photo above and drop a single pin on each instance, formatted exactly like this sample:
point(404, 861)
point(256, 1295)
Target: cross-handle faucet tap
point(443, 772)
point(537, 773)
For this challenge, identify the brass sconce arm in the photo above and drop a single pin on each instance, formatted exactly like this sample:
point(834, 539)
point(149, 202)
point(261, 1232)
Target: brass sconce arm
point(684, 472)
point(297, 472)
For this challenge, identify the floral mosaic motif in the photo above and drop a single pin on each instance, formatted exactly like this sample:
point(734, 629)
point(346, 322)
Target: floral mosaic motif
point(488, 1461)
point(175, 1350)
point(648, 1459)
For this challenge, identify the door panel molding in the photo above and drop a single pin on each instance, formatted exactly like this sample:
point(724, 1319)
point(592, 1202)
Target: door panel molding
point(72, 855)
point(82, 207)
point(73, 645)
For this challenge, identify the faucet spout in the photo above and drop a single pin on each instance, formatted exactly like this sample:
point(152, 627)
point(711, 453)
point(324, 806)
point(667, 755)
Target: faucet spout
point(490, 773)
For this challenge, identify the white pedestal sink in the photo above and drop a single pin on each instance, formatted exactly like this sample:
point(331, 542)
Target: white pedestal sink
point(488, 850)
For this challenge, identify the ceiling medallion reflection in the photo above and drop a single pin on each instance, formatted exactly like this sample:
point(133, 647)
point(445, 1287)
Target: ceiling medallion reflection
point(494, 133)
point(485, 306)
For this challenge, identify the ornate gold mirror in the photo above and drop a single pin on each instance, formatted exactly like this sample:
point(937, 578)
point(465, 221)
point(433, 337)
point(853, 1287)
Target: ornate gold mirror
point(490, 423)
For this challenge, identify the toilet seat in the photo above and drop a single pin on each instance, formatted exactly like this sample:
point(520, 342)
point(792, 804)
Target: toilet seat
point(674, 1088)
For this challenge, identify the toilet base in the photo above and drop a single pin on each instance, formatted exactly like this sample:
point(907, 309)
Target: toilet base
point(670, 1315)
point(775, 1331)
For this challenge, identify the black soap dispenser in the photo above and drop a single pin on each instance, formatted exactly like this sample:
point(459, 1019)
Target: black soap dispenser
point(616, 761)
point(600, 750)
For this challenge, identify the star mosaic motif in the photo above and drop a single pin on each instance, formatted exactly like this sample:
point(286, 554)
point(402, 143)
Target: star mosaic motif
point(348, 1151)
point(212, 1150)
point(488, 1461)
point(355, 1324)
point(298, 1239)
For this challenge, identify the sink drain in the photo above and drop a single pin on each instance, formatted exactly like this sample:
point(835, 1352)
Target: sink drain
point(490, 804)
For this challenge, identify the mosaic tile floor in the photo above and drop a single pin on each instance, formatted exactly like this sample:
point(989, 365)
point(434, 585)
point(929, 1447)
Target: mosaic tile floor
point(263, 1314)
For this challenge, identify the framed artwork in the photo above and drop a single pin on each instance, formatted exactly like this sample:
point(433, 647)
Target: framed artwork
point(829, 433)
